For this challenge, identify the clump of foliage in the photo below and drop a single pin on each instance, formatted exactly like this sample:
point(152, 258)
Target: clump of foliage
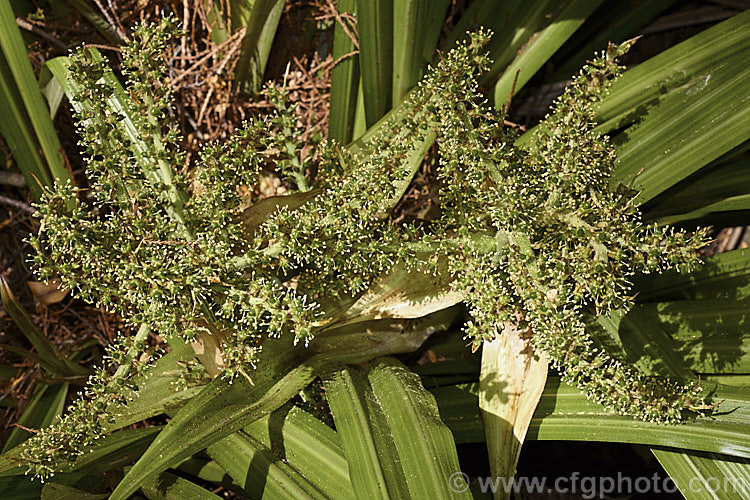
point(530, 236)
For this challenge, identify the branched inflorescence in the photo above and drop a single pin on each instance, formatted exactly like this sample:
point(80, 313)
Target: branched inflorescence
point(566, 243)
point(533, 236)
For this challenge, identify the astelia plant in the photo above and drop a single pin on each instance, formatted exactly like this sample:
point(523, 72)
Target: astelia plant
point(535, 237)
point(683, 169)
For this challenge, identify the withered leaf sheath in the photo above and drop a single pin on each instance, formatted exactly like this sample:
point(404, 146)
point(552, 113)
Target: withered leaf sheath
point(533, 236)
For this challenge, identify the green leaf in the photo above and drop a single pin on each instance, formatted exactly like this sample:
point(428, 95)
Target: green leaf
point(653, 352)
point(94, 18)
point(53, 360)
point(706, 475)
point(726, 275)
point(707, 195)
point(669, 143)
point(395, 115)
point(17, 60)
point(732, 380)
point(168, 486)
point(25, 353)
point(425, 446)
point(309, 446)
point(157, 390)
point(375, 25)
point(513, 23)
point(420, 143)
point(220, 31)
point(708, 334)
point(7, 372)
point(222, 408)
point(344, 79)
point(360, 122)
point(115, 450)
point(413, 160)
point(54, 491)
point(110, 452)
point(565, 414)
point(541, 46)
point(44, 406)
point(51, 90)
point(374, 465)
point(18, 133)
point(255, 215)
point(20, 488)
point(611, 22)
point(210, 471)
point(726, 212)
point(694, 473)
point(416, 28)
point(161, 174)
point(259, 18)
point(699, 55)
point(258, 471)
point(646, 344)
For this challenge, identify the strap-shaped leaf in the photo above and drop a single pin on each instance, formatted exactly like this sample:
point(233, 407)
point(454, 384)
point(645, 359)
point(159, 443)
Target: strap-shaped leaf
point(344, 79)
point(159, 173)
point(646, 345)
point(375, 25)
point(697, 474)
point(416, 27)
point(55, 491)
point(709, 335)
point(565, 414)
point(116, 450)
point(17, 59)
point(168, 486)
point(94, 17)
point(513, 22)
point(540, 48)
point(223, 407)
point(260, 19)
point(640, 86)
point(210, 471)
point(726, 212)
point(44, 406)
point(717, 194)
point(374, 464)
point(109, 452)
point(611, 22)
point(706, 475)
point(52, 359)
point(157, 389)
point(258, 471)
point(425, 445)
point(19, 134)
point(726, 275)
point(669, 144)
point(511, 381)
point(309, 446)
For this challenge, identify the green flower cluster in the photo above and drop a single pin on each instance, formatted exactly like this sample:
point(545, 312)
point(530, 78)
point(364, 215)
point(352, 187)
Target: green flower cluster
point(532, 236)
point(566, 243)
point(95, 408)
